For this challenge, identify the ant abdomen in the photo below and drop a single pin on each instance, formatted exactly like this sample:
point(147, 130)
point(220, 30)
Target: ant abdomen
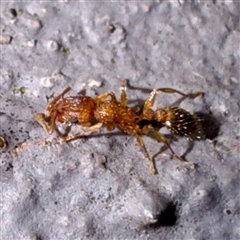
point(180, 122)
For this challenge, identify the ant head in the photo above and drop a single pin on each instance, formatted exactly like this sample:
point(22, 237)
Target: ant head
point(52, 106)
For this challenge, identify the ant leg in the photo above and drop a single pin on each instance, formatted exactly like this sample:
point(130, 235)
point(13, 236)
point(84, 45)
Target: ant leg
point(147, 112)
point(86, 131)
point(110, 126)
point(162, 139)
point(44, 122)
point(48, 123)
point(58, 97)
point(152, 161)
point(103, 96)
point(184, 96)
point(40, 118)
point(147, 109)
point(123, 90)
point(53, 122)
point(190, 95)
point(149, 103)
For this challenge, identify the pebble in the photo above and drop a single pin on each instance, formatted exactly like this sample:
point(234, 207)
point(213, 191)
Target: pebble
point(119, 34)
point(3, 143)
point(51, 45)
point(31, 43)
point(5, 39)
point(11, 14)
point(6, 79)
point(46, 82)
point(31, 22)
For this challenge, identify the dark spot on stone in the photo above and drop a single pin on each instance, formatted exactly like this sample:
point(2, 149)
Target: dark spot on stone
point(166, 218)
point(228, 212)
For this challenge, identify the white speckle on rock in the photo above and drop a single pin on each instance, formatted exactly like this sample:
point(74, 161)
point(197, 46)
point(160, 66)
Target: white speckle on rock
point(94, 83)
point(149, 215)
point(223, 108)
point(47, 82)
point(234, 80)
point(44, 10)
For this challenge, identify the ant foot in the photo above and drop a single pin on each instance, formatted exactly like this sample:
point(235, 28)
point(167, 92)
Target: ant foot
point(186, 167)
point(191, 165)
point(154, 170)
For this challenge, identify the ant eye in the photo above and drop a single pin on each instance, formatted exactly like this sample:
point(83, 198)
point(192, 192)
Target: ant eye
point(137, 119)
point(74, 120)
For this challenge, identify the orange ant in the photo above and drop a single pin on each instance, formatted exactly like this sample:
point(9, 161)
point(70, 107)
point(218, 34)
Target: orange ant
point(93, 113)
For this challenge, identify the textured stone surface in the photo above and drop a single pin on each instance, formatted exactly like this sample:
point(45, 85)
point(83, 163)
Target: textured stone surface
point(101, 188)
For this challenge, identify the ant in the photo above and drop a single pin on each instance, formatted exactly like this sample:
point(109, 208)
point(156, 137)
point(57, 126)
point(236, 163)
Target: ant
point(94, 113)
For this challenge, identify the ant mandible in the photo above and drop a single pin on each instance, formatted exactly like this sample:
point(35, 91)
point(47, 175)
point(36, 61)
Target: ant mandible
point(86, 111)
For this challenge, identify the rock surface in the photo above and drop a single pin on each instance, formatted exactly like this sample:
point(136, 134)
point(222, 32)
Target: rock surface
point(101, 187)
